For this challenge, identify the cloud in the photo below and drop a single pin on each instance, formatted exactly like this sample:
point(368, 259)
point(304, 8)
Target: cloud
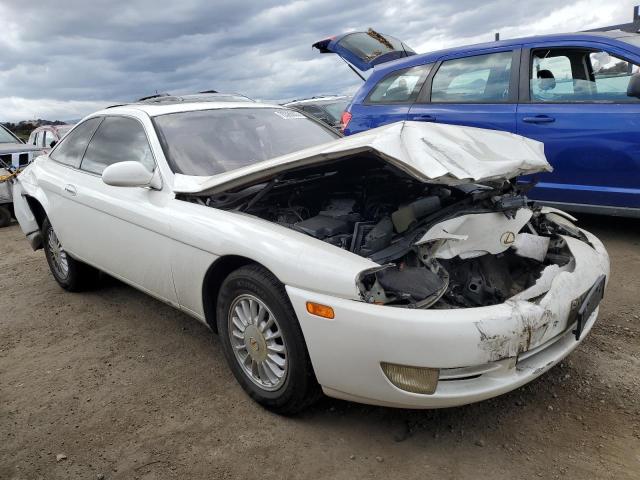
point(60, 57)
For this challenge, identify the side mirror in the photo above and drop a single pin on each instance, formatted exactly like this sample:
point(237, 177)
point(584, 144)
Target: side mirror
point(130, 174)
point(53, 143)
point(633, 89)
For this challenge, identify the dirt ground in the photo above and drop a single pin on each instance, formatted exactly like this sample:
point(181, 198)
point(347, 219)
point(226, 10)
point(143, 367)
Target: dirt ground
point(126, 387)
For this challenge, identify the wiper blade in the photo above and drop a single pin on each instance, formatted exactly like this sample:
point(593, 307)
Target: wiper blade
point(261, 193)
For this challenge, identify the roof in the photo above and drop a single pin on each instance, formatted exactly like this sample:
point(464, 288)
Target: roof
point(208, 96)
point(153, 110)
point(432, 56)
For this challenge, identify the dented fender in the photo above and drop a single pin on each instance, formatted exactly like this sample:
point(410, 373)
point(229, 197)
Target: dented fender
point(532, 324)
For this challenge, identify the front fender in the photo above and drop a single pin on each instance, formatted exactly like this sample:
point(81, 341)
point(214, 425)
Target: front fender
point(26, 217)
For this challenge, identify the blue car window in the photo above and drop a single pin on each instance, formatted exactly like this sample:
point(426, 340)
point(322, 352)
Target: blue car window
point(551, 78)
point(579, 75)
point(612, 76)
point(477, 79)
point(401, 86)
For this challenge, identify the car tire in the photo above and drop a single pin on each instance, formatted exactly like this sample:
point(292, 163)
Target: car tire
point(271, 363)
point(5, 217)
point(71, 274)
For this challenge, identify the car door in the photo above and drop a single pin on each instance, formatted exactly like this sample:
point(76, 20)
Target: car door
point(121, 230)
point(477, 89)
point(574, 100)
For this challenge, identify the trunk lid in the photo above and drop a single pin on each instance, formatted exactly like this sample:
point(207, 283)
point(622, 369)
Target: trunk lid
point(364, 50)
point(431, 153)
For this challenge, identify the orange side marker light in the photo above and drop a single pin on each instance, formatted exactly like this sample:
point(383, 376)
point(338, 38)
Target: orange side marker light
point(320, 310)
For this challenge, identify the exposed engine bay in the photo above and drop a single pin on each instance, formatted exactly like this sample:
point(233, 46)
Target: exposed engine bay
point(437, 246)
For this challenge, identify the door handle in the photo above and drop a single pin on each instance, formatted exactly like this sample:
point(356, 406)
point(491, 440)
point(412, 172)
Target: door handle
point(424, 118)
point(71, 190)
point(539, 119)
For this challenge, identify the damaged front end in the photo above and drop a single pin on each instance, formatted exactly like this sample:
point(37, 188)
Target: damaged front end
point(437, 246)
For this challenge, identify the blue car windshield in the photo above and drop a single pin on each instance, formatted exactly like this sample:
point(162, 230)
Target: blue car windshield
point(209, 142)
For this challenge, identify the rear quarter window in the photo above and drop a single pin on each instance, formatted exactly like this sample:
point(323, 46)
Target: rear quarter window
point(71, 149)
point(401, 86)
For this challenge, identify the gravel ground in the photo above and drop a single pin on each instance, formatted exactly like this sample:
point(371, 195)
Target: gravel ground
point(113, 384)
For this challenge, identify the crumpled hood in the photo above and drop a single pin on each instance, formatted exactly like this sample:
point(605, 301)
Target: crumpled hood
point(430, 152)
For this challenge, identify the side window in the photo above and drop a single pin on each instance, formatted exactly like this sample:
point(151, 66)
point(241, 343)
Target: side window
point(71, 149)
point(32, 138)
point(612, 75)
point(578, 75)
point(399, 87)
point(118, 139)
point(48, 138)
point(477, 79)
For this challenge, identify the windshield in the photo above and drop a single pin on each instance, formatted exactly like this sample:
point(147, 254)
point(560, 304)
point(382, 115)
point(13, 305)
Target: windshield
point(208, 142)
point(336, 109)
point(6, 137)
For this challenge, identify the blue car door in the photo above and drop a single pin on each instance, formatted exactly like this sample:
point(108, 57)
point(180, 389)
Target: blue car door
point(388, 101)
point(477, 89)
point(573, 98)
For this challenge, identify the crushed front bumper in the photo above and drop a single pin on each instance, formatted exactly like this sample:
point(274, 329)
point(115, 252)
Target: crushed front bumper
point(481, 352)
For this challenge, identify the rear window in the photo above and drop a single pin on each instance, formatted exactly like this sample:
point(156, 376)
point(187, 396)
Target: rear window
point(209, 142)
point(369, 46)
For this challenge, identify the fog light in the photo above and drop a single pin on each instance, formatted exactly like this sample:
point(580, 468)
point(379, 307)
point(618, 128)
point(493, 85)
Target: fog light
point(412, 379)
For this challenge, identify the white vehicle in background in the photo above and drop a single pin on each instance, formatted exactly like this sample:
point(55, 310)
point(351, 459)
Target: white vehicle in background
point(14, 155)
point(397, 267)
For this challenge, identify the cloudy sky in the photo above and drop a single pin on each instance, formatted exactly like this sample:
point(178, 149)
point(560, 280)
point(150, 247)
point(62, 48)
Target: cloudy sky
point(66, 58)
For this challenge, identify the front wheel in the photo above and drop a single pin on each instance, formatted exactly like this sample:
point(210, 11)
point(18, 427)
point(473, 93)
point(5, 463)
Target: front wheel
point(262, 341)
point(71, 274)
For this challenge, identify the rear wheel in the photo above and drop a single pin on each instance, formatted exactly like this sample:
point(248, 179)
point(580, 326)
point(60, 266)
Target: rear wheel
point(262, 341)
point(71, 274)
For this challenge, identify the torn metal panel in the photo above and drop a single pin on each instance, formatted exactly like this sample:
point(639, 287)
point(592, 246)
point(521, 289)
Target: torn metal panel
point(531, 246)
point(527, 328)
point(532, 324)
point(474, 235)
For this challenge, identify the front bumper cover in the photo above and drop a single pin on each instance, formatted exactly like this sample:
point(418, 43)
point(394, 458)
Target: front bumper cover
point(521, 340)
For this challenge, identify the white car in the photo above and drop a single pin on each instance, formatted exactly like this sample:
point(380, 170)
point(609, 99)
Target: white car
point(398, 267)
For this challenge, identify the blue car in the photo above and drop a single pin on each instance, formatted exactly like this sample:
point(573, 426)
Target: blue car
point(578, 93)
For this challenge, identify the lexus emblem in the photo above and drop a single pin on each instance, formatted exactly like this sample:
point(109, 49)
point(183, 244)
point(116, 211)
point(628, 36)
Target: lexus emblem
point(508, 238)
